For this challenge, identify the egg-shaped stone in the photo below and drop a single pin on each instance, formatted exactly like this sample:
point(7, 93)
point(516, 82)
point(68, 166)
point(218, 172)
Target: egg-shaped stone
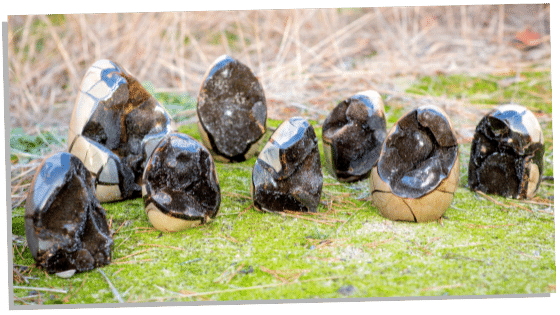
point(353, 133)
point(65, 226)
point(231, 111)
point(417, 172)
point(507, 153)
point(180, 184)
point(287, 174)
point(114, 127)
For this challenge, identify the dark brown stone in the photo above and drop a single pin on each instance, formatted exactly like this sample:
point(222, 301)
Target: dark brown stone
point(180, 182)
point(353, 133)
point(65, 225)
point(115, 116)
point(507, 153)
point(231, 110)
point(287, 174)
point(419, 152)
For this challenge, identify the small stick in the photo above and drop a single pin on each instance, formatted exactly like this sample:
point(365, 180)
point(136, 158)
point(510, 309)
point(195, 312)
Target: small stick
point(113, 289)
point(133, 254)
point(131, 261)
point(117, 231)
point(41, 289)
point(158, 245)
point(493, 200)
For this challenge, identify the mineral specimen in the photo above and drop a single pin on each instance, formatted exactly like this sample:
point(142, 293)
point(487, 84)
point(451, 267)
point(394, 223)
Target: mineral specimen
point(507, 153)
point(287, 174)
point(353, 134)
point(231, 110)
point(180, 184)
point(418, 169)
point(115, 125)
point(65, 226)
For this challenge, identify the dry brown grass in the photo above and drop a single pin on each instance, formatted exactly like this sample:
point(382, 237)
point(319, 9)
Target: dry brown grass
point(307, 59)
point(310, 57)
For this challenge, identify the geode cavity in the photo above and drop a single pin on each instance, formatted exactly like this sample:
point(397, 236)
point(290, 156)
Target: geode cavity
point(115, 125)
point(180, 184)
point(287, 174)
point(353, 134)
point(507, 153)
point(65, 225)
point(418, 169)
point(231, 110)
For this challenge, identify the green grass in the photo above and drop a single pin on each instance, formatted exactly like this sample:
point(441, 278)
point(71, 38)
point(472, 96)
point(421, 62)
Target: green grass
point(479, 248)
point(532, 89)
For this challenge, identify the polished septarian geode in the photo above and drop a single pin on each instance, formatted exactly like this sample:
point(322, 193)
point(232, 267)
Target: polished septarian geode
point(353, 133)
point(417, 172)
point(507, 153)
point(180, 184)
point(65, 226)
point(287, 174)
point(231, 110)
point(114, 127)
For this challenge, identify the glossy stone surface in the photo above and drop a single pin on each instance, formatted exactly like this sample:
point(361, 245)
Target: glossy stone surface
point(231, 110)
point(287, 174)
point(418, 169)
point(507, 153)
point(180, 184)
point(353, 133)
point(114, 127)
point(65, 225)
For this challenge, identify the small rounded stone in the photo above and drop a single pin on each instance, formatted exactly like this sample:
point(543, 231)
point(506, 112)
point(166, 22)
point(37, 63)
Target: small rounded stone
point(417, 185)
point(113, 127)
point(353, 133)
point(507, 153)
point(231, 110)
point(65, 226)
point(180, 184)
point(287, 174)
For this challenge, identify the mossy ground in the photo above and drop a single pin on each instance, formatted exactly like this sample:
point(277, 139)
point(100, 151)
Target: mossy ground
point(480, 247)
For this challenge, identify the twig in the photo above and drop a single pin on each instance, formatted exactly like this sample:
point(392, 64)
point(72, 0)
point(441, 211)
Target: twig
point(240, 289)
point(133, 254)
point(493, 200)
point(41, 289)
point(113, 289)
point(131, 261)
point(158, 245)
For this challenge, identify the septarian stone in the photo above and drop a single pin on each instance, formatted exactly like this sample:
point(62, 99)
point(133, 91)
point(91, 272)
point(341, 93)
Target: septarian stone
point(287, 174)
point(65, 225)
point(231, 110)
point(507, 153)
point(353, 134)
point(418, 169)
point(180, 184)
point(115, 125)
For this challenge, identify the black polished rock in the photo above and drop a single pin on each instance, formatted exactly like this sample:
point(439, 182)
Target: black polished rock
point(231, 110)
point(353, 133)
point(419, 153)
point(65, 225)
point(507, 153)
point(417, 172)
point(114, 127)
point(180, 184)
point(287, 174)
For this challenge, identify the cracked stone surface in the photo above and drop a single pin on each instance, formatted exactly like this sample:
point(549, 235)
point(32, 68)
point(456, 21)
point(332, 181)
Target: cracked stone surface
point(507, 153)
point(231, 110)
point(114, 127)
point(418, 169)
point(65, 226)
point(180, 184)
point(353, 133)
point(287, 174)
